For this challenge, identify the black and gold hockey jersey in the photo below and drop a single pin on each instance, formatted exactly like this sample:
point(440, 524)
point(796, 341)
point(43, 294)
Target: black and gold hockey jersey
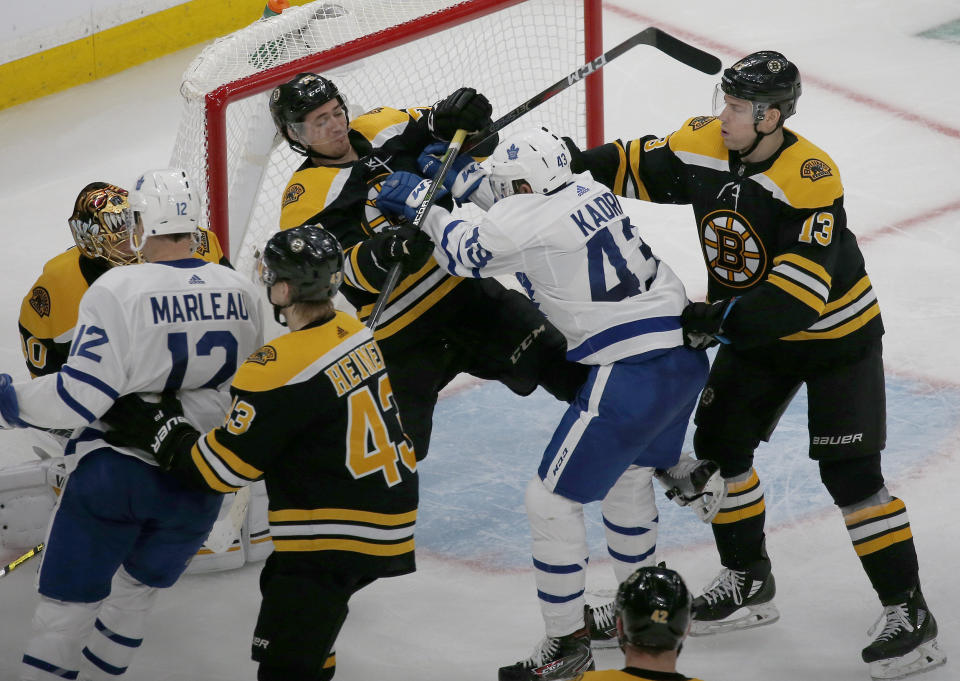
point(314, 415)
point(774, 235)
point(342, 197)
point(633, 674)
point(49, 312)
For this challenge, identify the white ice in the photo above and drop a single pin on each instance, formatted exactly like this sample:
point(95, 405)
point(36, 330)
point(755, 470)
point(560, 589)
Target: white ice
point(880, 100)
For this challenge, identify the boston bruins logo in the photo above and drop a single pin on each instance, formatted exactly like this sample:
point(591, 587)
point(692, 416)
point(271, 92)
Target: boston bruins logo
point(293, 193)
point(373, 220)
point(265, 354)
point(735, 256)
point(40, 301)
point(203, 245)
point(815, 169)
point(700, 121)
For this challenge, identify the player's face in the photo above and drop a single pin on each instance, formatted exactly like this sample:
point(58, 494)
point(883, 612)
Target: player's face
point(325, 130)
point(736, 119)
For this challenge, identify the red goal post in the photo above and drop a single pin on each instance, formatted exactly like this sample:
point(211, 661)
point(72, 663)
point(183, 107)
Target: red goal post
point(398, 53)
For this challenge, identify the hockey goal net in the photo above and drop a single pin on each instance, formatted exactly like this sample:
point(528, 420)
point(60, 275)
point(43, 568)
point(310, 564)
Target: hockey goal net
point(398, 53)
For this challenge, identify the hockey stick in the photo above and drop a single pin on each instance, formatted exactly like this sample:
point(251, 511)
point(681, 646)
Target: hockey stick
point(10, 567)
point(654, 37)
point(393, 276)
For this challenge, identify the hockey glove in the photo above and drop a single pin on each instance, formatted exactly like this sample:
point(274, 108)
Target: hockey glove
point(9, 406)
point(401, 194)
point(576, 156)
point(463, 178)
point(464, 109)
point(406, 245)
point(156, 427)
point(694, 483)
point(703, 323)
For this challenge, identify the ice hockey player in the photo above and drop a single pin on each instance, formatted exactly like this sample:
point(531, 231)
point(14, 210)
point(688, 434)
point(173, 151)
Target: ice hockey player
point(48, 316)
point(314, 416)
point(123, 529)
point(653, 619)
point(585, 265)
point(791, 303)
point(435, 325)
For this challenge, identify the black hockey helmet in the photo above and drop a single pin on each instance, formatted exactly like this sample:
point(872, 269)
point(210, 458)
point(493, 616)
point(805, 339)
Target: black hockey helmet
point(290, 102)
point(654, 608)
point(308, 257)
point(766, 78)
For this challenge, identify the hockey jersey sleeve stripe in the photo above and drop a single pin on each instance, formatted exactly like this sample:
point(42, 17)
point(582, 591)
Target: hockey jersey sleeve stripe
point(798, 276)
point(619, 181)
point(798, 292)
point(352, 272)
point(350, 545)
point(421, 306)
point(216, 474)
point(68, 400)
point(855, 291)
point(354, 531)
point(846, 329)
point(638, 190)
point(620, 332)
point(90, 380)
point(844, 314)
point(231, 460)
point(804, 264)
point(321, 514)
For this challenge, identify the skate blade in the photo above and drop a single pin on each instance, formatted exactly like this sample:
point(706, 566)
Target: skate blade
point(921, 659)
point(756, 616)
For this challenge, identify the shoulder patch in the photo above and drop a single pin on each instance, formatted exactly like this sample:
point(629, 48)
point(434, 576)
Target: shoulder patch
point(374, 111)
point(700, 121)
point(342, 332)
point(204, 246)
point(293, 193)
point(267, 353)
point(814, 169)
point(40, 301)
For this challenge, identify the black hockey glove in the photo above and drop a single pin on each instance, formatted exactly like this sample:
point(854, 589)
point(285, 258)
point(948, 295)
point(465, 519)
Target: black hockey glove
point(465, 109)
point(703, 323)
point(155, 427)
point(405, 244)
point(576, 156)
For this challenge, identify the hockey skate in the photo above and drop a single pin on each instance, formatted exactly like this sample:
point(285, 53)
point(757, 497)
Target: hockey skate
point(554, 659)
point(693, 483)
point(907, 642)
point(602, 621)
point(735, 600)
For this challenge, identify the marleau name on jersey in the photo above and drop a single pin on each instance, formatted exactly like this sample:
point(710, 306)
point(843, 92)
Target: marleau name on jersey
point(205, 306)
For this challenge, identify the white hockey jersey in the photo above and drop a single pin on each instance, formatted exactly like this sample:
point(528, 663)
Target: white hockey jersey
point(183, 325)
point(580, 259)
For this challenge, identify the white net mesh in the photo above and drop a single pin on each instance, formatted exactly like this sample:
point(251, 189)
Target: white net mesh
point(509, 55)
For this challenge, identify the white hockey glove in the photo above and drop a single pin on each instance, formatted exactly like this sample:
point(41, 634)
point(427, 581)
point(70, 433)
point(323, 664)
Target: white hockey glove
point(693, 483)
point(9, 407)
point(463, 178)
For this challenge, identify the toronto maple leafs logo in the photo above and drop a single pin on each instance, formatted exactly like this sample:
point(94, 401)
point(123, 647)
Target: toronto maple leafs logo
point(513, 151)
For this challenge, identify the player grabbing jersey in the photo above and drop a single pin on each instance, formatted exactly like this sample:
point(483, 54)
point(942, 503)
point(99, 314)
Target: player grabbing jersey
point(585, 265)
point(315, 417)
point(123, 529)
point(791, 303)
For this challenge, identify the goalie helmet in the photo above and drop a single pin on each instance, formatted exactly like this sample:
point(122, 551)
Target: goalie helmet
point(290, 102)
point(654, 609)
point(765, 78)
point(536, 157)
point(164, 203)
point(308, 257)
point(101, 223)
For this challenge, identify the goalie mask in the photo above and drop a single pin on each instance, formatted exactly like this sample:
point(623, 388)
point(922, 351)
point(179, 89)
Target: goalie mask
point(308, 257)
point(101, 223)
point(164, 203)
point(536, 157)
point(654, 606)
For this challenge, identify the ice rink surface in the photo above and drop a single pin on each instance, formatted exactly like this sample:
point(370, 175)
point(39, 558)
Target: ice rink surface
point(878, 97)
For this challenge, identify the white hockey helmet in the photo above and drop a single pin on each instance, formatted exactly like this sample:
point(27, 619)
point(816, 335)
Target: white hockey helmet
point(535, 156)
point(164, 202)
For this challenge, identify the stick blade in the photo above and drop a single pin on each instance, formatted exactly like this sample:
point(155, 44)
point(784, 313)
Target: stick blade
point(683, 52)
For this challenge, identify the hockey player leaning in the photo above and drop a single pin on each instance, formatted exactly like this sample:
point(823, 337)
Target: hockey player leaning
point(791, 303)
point(123, 529)
point(575, 251)
point(315, 417)
point(435, 325)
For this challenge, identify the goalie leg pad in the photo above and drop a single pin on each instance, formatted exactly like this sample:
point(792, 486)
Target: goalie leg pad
point(26, 503)
point(256, 529)
point(118, 630)
point(559, 557)
point(695, 483)
point(54, 648)
point(209, 560)
point(630, 521)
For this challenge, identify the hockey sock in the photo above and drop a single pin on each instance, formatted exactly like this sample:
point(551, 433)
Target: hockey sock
point(738, 525)
point(630, 521)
